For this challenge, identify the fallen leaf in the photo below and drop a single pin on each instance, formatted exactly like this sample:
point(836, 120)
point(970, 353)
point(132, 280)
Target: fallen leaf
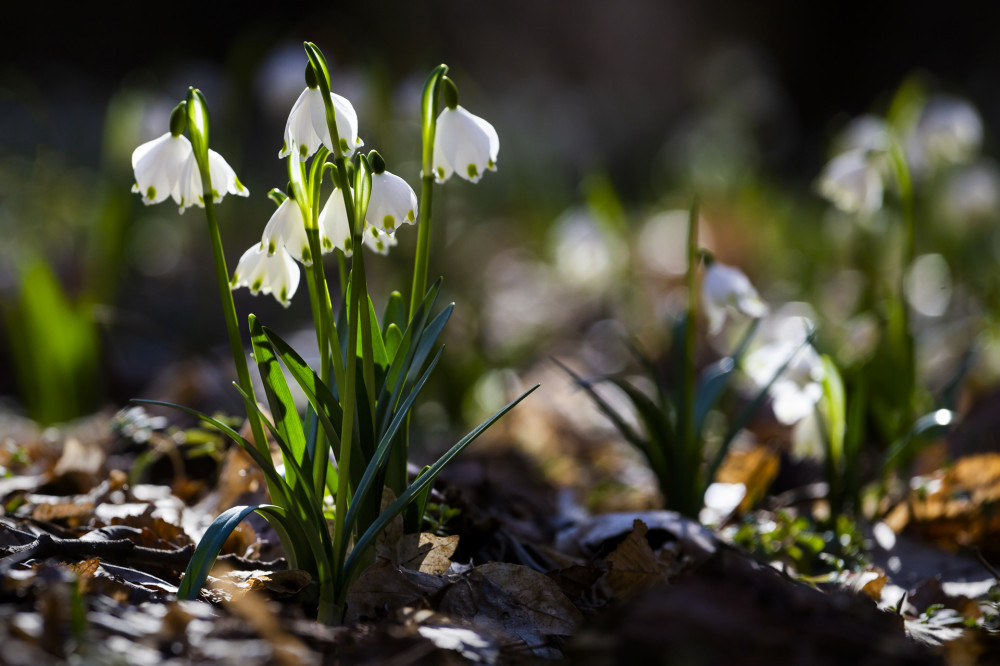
point(426, 553)
point(515, 602)
point(384, 586)
point(633, 566)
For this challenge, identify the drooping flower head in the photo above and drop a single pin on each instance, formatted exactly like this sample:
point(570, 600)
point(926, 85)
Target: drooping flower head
point(852, 181)
point(306, 127)
point(158, 163)
point(276, 274)
point(726, 288)
point(167, 166)
point(949, 131)
point(191, 192)
point(463, 143)
point(392, 201)
point(287, 229)
point(334, 226)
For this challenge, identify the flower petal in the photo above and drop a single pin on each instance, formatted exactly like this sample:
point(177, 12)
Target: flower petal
point(158, 164)
point(392, 203)
point(334, 227)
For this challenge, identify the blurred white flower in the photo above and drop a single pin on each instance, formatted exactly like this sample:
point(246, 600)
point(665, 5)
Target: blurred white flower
point(866, 132)
point(464, 144)
point(277, 274)
point(157, 165)
point(392, 203)
point(798, 387)
point(378, 241)
point(853, 181)
point(334, 227)
point(949, 131)
point(287, 229)
point(724, 288)
point(189, 191)
point(306, 127)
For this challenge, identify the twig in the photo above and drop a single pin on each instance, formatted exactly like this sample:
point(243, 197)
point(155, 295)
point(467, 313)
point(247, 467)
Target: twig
point(119, 550)
point(987, 565)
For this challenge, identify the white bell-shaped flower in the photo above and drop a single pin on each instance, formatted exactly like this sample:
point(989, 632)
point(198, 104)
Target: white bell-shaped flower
point(276, 274)
point(392, 203)
point(287, 229)
point(725, 288)
point(306, 128)
point(189, 191)
point(852, 181)
point(464, 144)
point(334, 226)
point(798, 388)
point(378, 241)
point(949, 131)
point(157, 165)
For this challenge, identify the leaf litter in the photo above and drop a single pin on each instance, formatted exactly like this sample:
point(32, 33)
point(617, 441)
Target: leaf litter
point(90, 559)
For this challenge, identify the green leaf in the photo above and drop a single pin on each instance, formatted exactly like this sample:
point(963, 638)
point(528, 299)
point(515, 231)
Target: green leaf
point(395, 313)
point(382, 452)
point(378, 346)
point(214, 539)
point(393, 338)
point(716, 378)
point(421, 482)
point(279, 399)
point(835, 411)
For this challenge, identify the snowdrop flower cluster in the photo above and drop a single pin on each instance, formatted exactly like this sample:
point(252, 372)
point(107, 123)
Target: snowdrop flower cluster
point(725, 288)
point(167, 167)
point(947, 131)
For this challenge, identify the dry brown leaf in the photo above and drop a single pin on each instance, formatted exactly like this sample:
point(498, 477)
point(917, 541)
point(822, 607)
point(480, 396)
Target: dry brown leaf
point(79, 458)
point(515, 602)
point(633, 566)
point(278, 584)
point(426, 553)
point(958, 506)
point(384, 586)
point(755, 468)
point(63, 510)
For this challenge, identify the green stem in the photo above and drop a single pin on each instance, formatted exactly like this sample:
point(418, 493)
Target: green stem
point(423, 243)
point(905, 341)
point(691, 468)
point(232, 326)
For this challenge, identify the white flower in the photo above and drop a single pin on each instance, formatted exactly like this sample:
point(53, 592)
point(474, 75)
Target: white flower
point(949, 131)
point(158, 164)
point(334, 227)
point(306, 128)
point(189, 190)
point(287, 229)
point(866, 132)
point(378, 241)
point(798, 388)
point(277, 274)
point(464, 144)
point(392, 203)
point(853, 181)
point(725, 287)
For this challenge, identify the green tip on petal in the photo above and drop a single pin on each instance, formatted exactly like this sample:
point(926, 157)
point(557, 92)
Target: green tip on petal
point(271, 248)
point(255, 287)
point(376, 162)
point(440, 172)
point(150, 192)
point(450, 91)
point(306, 255)
point(473, 171)
point(178, 119)
point(389, 222)
point(344, 146)
point(303, 152)
point(348, 244)
point(311, 81)
point(284, 295)
point(410, 215)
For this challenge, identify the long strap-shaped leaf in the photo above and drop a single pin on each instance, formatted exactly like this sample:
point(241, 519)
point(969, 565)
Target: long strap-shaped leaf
point(215, 537)
point(283, 410)
point(381, 454)
point(419, 484)
point(305, 542)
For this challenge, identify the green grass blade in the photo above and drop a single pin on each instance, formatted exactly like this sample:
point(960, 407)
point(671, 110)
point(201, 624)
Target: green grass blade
point(395, 313)
point(283, 411)
point(421, 482)
point(382, 453)
point(215, 537)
